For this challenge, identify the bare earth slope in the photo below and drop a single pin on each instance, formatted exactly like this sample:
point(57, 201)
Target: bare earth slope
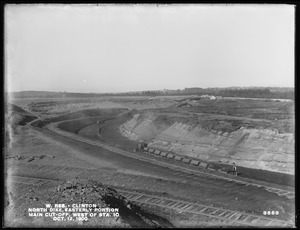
point(251, 142)
point(38, 171)
point(41, 164)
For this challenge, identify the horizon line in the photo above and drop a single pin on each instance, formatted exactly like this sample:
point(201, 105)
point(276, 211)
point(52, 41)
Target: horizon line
point(149, 89)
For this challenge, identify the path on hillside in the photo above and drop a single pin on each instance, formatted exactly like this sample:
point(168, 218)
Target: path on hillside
point(214, 185)
point(226, 186)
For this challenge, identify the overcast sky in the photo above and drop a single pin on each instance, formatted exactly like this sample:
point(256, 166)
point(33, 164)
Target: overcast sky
point(117, 48)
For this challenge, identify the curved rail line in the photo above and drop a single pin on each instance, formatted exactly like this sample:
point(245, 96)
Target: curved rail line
point(281, 192)
point(226, 216)
point(229, 216)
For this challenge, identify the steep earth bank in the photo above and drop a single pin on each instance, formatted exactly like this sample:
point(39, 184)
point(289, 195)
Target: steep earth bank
point(251, 143)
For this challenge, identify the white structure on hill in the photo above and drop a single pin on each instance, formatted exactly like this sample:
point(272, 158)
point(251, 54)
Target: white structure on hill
point(208, 97)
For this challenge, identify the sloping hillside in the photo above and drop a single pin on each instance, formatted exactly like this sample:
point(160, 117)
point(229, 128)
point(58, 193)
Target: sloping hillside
point(250, 142)
point(14, 118)
point(80, 114)
point(18, 116)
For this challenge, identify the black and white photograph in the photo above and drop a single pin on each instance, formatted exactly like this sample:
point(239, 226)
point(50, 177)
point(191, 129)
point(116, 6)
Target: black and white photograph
point(149, 115)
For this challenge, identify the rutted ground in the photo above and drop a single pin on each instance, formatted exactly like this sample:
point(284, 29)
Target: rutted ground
point(250, 142)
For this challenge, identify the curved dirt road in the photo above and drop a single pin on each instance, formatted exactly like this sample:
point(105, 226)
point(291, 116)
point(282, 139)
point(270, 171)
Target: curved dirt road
point(220, 189)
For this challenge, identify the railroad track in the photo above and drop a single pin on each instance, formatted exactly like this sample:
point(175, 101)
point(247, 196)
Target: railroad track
point(34, 181)
point(228, 217)
point(280, 192)
point(215, 214)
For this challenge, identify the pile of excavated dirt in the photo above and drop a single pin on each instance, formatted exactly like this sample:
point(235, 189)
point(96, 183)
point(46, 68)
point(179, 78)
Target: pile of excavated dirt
point(216, 138)
point(100, 199)
point(58, 107)
point(18, 116)
point(142, 126)
point(80, 114)
point(145, 103)
point(15, 118)
point(74, 126)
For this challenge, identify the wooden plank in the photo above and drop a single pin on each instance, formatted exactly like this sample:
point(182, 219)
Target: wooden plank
point(163, 154)
point(186, 160)
point(187, 206)
point(157, 152)
point(170, 155)
point(192, 208)
point(203, 165)
point(178, 158)
point(195, 162)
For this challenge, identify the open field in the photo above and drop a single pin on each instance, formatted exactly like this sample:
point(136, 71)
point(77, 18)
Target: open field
point(97, 139)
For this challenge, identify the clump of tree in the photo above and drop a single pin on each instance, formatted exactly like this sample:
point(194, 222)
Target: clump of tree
point(255, 93)
point(151, 93)
point(245, 93)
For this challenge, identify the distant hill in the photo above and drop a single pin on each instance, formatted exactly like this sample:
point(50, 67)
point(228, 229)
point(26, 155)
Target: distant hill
point(248, 92)
point(47, 94)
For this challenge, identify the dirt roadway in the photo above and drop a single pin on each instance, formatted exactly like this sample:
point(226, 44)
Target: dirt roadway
point(217, 192)
point(109, 132)
point(75, 159)
point(89, 161)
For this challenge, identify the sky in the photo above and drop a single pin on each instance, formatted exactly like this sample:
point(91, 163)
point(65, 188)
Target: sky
point(121, 48)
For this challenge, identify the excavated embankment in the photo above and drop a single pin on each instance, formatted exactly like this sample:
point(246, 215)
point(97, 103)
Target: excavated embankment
point(248, 146)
